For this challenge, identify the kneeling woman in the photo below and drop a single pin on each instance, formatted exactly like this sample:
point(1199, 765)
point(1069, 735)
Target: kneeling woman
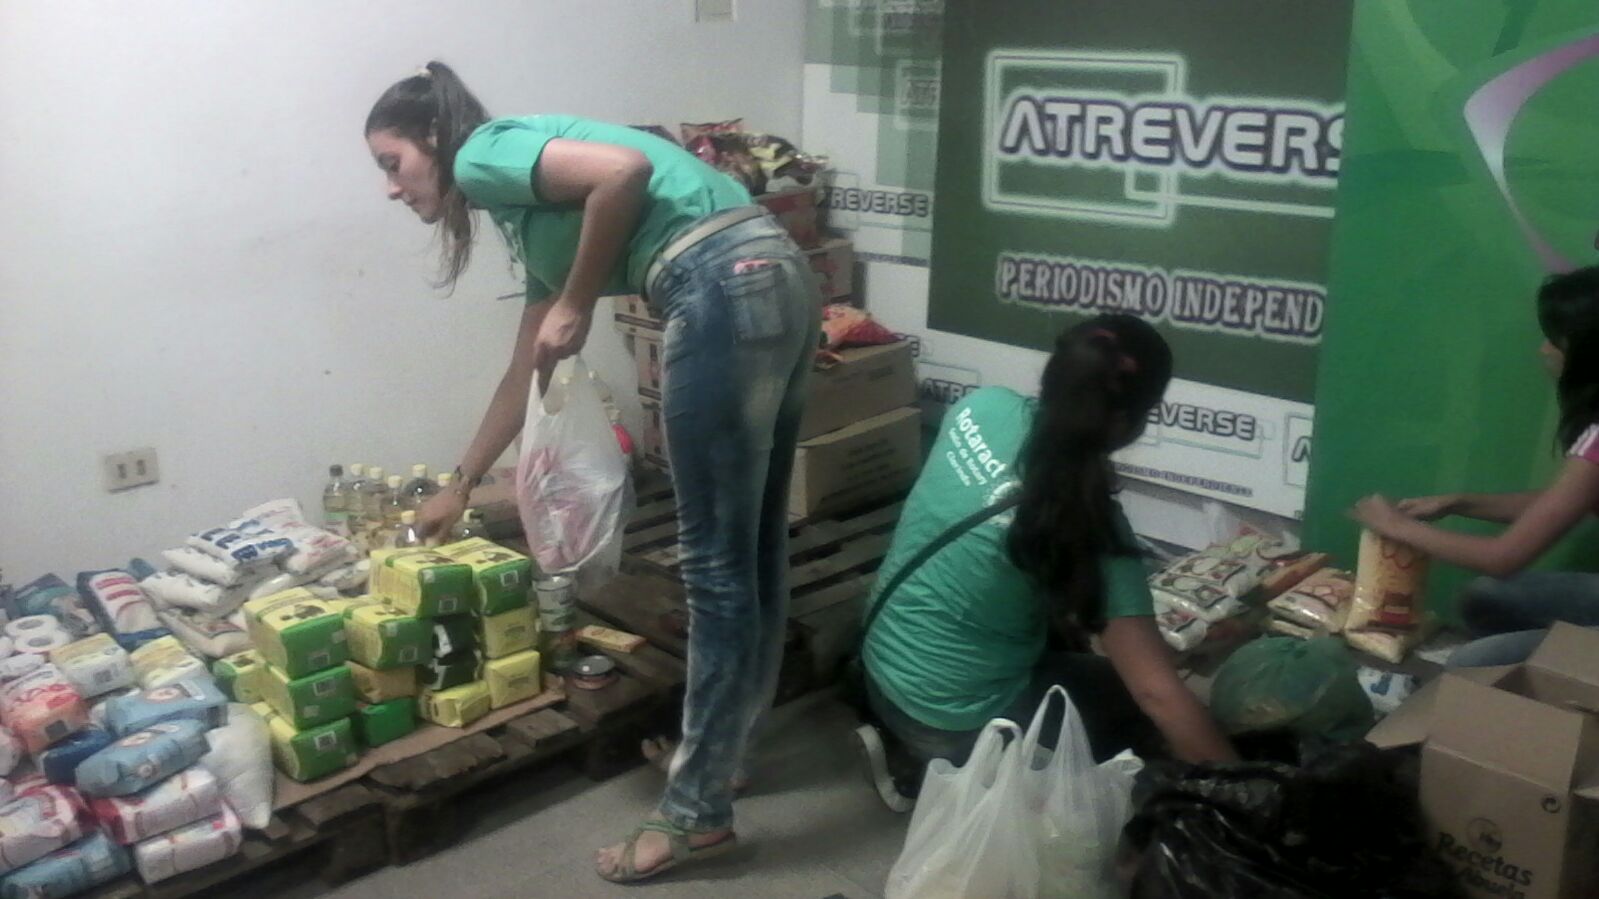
point(964, 637)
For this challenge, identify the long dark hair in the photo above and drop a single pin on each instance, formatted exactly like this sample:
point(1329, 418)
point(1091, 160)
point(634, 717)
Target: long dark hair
point(1099, 386)
point(1568, 314)
point(437, 113)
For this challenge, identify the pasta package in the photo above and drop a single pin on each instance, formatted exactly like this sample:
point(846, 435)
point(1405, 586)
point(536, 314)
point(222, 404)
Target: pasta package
point(1386, 616)
point(1212, 583)
point(1320, 603)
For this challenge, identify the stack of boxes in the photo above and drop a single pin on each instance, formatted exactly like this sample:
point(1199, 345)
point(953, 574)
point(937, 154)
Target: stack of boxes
point(860, 439)
point(306, 688)
point(473, 598)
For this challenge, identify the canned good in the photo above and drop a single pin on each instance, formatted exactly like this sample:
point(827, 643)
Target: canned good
point(593, 672)
point(557, 621)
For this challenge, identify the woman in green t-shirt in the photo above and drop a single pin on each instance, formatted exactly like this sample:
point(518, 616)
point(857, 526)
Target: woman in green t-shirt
point(963, 638)
point(592, 209)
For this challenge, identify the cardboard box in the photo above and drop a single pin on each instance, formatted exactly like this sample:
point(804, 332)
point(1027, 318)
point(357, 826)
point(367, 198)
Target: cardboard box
point(1510, 769)
point(503, 577)
point(648, 365)
point(652, 436)
point(796, 210)
point(297, 632)
point(382, 636)
point(513, 679)
point(635, 318)
point(868, 381)
point(239, 675)
point(309, 754)
point(457, 707)
point(422, 582)
point(867, 460)
point(834, 265)
point(383, 686)
point(309, 701)
point(384, 722)
point(509, 633)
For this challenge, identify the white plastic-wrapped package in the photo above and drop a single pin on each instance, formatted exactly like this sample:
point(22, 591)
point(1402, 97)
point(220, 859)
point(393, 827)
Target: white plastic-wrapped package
point(37, 824)
point(42, 707)
point(315, 551)
point(1181, 629)
point(118, 602)
point(210, 637)
point(165, 661)
point(11, 751)
point(1212, 583)
point(95, 665)
point(190, 561)
point(241, 759)
point(171, 589)
point(13, 667)
point(351, 578)
point(189, 848)
point(181, 799)
point(245, 542)
point(1320, 603)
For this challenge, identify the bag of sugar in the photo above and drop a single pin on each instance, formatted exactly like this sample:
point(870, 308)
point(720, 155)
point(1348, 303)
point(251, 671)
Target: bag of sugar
point(170, 589)
point(89, 862)
point(37, 824)
point(42, 707)
point(141, 760)
point(195, 699)
point(189, 848)
point(181, 799)
point(119, 604)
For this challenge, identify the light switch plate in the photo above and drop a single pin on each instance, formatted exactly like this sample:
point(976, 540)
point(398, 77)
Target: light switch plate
point(134, 468)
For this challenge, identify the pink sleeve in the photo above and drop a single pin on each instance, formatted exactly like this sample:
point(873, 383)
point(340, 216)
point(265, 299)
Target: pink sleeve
point(1586, 447)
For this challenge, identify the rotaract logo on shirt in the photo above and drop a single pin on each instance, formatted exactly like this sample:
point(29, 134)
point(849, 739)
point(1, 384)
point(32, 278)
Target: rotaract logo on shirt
point(970, 455)
point(999, 494)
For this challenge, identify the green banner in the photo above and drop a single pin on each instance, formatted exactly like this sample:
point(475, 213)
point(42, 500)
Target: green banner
point(1471, 171)
point(1169, 159)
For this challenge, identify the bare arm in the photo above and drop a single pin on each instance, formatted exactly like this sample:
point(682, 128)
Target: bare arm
point(611, 184)
point(501, 423)
point(1545, 520)
point(1502, 508)
point(1144, 662)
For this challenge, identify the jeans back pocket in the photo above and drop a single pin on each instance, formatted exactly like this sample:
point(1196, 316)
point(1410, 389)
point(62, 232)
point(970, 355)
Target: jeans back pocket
point(755, 297)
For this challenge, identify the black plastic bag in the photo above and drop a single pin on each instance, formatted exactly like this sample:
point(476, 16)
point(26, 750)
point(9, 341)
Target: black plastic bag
point(1346, 826)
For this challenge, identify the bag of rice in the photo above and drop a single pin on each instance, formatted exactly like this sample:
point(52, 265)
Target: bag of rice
point(89, 862)
point(143, 759)
point(181, 799)
point(205, 842)
point(37, 824)
point(42, 707)
point(1386, 618)
point(212, 638)
point(174, 590)
point(119, 604)
point(196, 699)
point(1320, 603)
point(224, 572)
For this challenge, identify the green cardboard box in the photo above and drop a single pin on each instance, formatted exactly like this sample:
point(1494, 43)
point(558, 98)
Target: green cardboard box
point(503, 578)
point(382, 636)
point(449, 672)
point(312, 700)
point(239, 675)
point(454, 635)
point(385, 722)
point(422, 582)
point(457, 706)
point(297, 632)
point(309, 754)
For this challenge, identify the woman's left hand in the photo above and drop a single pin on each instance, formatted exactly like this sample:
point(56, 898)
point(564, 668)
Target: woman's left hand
point(1380, 515)
point(562, 334)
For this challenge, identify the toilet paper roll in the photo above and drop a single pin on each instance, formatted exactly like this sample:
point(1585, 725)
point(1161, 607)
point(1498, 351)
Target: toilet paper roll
point(39, 643)
point(18, 665)
point(32, 624)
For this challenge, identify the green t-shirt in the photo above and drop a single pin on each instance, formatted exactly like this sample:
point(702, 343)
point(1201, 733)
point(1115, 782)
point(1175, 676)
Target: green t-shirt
point(957, 643)
point(495, 167)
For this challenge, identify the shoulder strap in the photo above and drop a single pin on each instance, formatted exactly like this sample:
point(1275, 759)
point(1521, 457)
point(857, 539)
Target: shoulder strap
point(927, 552)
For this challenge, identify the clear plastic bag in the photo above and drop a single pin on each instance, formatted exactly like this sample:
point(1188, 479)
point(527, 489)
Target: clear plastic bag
point(1019, 820)
point(572, 484)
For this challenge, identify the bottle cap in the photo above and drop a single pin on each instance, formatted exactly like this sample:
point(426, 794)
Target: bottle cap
point(394, 481)
point(336, 471)
point(408, 517)
point(445, 478)
point(375, 473)
point(357, 469)
point(419, 471)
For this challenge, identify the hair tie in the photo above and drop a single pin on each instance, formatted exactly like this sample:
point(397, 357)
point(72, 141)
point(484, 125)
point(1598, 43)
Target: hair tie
point(1124, 363)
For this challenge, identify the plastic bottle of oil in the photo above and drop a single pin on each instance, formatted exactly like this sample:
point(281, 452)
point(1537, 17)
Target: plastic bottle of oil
point(396, 503)
point(445, 481)
point(335, 508)
point(373, 497)
point(470, 525)
point(407, 534)
point(420, 487)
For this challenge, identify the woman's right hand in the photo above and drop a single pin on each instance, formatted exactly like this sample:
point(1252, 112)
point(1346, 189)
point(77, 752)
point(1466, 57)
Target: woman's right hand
point(1431, 508)
point(438, 513)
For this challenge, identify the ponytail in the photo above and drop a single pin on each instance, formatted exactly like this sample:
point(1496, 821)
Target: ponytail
point(434, 110)
point(1568, 315)
point(1098, 388)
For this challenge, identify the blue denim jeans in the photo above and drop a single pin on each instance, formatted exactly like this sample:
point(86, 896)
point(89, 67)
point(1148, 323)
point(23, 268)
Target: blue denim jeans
point(742, 313)
point(1510, 616)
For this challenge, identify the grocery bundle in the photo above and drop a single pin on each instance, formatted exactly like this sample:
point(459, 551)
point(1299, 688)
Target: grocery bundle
point(1378, 610)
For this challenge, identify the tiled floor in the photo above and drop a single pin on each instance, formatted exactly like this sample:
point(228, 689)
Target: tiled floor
point(810, 829)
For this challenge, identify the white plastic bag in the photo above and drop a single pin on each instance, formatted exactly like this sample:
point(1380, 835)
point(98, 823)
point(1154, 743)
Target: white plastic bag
point(241, 758)
point(572, 485)
point(1019, 821)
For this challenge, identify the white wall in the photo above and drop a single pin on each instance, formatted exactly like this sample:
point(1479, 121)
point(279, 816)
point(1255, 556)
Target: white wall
point(196, 254)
